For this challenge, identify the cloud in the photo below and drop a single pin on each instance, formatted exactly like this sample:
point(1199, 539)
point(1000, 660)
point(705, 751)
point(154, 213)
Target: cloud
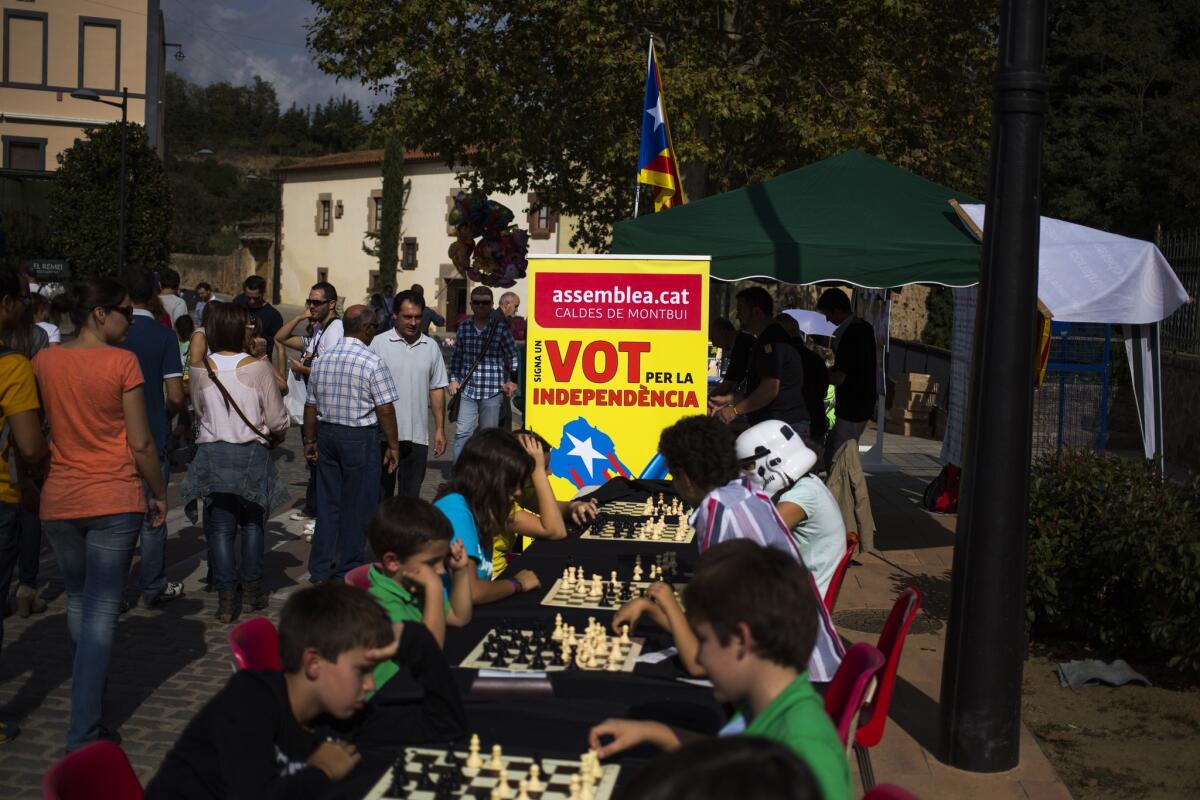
point(235, 40)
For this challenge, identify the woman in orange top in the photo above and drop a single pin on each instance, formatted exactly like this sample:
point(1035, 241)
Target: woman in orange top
point(93, 503)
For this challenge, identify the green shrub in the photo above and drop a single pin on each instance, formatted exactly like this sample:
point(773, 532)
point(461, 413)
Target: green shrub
point(1114, 556)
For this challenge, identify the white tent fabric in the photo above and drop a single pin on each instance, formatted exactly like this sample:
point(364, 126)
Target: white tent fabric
point(1088, 275)
point(1084, 275)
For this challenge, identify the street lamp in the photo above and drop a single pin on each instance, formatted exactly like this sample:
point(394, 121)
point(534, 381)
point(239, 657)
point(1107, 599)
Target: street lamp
point(93, 95)
point(277, 271)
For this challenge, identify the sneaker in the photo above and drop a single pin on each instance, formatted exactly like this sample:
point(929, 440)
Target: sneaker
point(172, 591)
point(298, 515)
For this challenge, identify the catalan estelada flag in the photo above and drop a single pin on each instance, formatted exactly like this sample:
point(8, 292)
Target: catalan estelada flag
point(657, 165)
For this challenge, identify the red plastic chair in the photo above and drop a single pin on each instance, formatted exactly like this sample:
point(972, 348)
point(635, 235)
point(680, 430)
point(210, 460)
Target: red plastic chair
point(835, 583)
point(852, 686)
point(99, 771)
point(255, 645)
point(357, 577)
point(875, 713)
point(889, 791)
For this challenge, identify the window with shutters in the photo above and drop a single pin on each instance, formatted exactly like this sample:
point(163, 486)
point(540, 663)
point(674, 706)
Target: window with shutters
point(408, 253)
point(24, 152)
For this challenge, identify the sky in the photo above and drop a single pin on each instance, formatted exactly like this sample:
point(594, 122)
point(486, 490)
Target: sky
point(234, 40)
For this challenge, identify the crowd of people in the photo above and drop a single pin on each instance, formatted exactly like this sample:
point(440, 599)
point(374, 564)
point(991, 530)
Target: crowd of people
point(87, 430)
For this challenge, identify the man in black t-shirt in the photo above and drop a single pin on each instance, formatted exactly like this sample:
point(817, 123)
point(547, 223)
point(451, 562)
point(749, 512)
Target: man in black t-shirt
point(775, 379)
point(736, 346)
point(253, 299)
point(853, 371)
point(816, 376)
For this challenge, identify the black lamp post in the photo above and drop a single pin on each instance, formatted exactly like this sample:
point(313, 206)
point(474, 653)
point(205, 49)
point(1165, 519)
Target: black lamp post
point(277, 269)
point(93, 95)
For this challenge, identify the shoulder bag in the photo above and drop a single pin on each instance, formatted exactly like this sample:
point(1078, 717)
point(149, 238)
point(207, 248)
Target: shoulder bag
point(456, 401)
point(268, 439)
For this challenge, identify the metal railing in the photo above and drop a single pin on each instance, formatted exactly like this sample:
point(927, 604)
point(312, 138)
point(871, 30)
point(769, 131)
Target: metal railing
point(1181, 330)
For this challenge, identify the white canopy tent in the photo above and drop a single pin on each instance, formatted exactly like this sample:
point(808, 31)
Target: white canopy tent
point(1084, 275)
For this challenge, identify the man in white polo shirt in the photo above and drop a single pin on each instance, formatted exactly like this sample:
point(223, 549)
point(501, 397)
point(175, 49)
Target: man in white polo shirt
point(419, 372)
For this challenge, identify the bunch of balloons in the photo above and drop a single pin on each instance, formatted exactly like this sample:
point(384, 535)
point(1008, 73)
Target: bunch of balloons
point(498, 257)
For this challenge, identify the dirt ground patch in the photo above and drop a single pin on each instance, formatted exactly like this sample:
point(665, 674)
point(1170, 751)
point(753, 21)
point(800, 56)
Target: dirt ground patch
point(1124, 742)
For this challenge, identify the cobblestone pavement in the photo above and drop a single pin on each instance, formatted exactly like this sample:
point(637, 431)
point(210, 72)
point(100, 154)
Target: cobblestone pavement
point(166, 661)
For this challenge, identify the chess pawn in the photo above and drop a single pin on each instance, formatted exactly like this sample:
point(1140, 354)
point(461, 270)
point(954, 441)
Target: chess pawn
point(535, 774)
point(474, 761)
point(615, 657)
point(502, 785)
point(597, 586)
point(593, 660)
point(637, 572)
point(558, 628)
point(574, 788)
point(497, 762)
point(523, 790)
point(625, 641)
point(584, 655)
point(568, 578)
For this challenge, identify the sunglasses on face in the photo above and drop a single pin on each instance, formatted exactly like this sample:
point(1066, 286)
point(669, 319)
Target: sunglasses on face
point(315, 303)
point(481, 302)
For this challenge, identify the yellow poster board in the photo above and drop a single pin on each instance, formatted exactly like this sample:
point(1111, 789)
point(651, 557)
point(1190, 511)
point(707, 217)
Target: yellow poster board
point(617, 350)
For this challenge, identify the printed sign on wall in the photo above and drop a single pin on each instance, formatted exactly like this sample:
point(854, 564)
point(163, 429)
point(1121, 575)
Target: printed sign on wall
point(617, 351)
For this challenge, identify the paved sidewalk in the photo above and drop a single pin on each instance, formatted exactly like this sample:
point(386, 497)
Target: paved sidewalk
point(167, 662)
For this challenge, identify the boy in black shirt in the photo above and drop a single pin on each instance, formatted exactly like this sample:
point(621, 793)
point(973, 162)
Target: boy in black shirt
point(259, 737)
point(775, 383)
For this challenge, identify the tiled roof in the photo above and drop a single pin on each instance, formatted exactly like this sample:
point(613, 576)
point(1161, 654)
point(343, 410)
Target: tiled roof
point(358, 158)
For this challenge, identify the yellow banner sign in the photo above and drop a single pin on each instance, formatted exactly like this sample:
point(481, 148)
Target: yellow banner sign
point(617, 351)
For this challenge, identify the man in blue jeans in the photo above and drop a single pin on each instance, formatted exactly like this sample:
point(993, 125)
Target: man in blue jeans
point(483, 367)
point(157, 351)
point(349, 404)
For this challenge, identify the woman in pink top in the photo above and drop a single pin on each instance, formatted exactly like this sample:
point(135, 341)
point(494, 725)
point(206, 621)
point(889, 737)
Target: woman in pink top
point(240, 415)
point(92, 503)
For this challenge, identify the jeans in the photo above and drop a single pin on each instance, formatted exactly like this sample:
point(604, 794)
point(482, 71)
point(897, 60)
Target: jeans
point(348, 466)
point(154, 544)
point(224, 515)
point(843, 431)
point(410, 472)
point(30, 546)
point(9, 553)
point(474, 414)
point(93, 555)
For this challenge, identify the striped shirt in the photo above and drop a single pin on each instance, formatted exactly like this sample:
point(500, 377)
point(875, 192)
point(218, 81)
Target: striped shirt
point(738, 510)
point(347, 382)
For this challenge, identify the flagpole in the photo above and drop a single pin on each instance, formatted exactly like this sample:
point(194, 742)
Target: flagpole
point(637, 195)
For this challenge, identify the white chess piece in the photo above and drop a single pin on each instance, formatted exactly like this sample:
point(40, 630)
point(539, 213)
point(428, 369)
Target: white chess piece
point(523, 790)
point(535, 774)
point(648, 508)
point(625, 641)
point(637, 572)
point(597, 587)
point(502, 784)
point(583, 656)
point(474, 761)
point(574, 790)
point(615, 657)
point(593, 660)
point(568, 578)
point(558, 628)
point(497, 762)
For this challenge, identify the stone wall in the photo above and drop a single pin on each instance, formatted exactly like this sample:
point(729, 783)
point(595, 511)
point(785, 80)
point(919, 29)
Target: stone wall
point(227, 272)
point(1181, 409)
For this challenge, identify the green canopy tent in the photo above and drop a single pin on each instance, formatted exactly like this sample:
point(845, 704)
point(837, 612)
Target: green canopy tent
point(851, 218)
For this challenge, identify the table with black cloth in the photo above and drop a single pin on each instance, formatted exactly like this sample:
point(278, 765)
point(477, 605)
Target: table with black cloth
point(551, 716)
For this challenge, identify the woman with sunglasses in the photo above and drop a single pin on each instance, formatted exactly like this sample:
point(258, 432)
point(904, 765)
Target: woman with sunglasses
point(92, 503)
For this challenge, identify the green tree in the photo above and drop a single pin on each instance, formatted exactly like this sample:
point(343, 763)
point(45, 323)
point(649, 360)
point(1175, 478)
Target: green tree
point(546, 95)
point(84, 202)
point(395, 198)
point(1122, 145)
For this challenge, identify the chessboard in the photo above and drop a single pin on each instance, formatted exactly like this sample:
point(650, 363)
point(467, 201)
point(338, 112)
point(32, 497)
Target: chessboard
point(521, 650)
point(624, 520)
point(575, 590)
point(432, 774)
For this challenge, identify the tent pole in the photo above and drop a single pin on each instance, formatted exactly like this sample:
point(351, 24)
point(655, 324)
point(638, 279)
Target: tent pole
point(985, 643)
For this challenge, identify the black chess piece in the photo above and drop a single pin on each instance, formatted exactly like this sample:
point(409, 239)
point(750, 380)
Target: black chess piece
point(625, 595)
point(425, 781)
point(498, 660)
point(398, 776)
point(556, 659)
point(538, 663)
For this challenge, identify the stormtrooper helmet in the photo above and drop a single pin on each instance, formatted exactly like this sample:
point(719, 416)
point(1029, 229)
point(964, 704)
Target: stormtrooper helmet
point(773, 456)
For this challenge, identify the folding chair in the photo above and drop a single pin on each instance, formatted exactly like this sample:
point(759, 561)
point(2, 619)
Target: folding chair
point(254, 644)
point(852, 687)
point(357, 577)
point(889, 791)
point(835, 583)
point(875, 712)
point(99, 771)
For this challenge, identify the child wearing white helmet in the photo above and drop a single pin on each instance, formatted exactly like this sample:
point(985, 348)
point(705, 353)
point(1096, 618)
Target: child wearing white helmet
point(775, 458)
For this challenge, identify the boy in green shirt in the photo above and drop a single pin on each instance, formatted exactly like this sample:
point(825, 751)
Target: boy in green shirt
point(411, 539)
point(753, 613)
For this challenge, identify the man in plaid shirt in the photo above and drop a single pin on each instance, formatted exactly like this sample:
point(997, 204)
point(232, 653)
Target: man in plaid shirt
point(494, 377)
point(349, 403)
